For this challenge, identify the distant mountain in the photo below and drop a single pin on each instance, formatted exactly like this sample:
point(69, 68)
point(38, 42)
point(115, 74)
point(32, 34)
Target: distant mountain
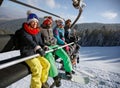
point(97, 26)
point(13, 25)
point(10, 14)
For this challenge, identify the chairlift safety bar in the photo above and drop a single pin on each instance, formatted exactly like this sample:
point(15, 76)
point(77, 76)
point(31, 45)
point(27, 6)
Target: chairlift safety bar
point(7, 64)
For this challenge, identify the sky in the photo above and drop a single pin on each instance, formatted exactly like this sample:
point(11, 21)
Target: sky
point(100, 11)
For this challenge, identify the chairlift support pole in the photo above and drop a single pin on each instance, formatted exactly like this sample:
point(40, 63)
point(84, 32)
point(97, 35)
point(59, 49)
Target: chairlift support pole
point(10, 63)
point(76, 4)
point(76, 19)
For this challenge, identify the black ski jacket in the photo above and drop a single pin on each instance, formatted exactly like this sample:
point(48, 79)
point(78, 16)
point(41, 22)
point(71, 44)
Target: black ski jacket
point(27, 42)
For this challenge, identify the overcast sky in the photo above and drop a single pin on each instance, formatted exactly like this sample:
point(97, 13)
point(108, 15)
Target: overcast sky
point(102, 11)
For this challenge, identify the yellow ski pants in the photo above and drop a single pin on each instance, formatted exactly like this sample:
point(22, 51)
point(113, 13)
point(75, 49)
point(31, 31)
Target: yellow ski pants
point(39, 67)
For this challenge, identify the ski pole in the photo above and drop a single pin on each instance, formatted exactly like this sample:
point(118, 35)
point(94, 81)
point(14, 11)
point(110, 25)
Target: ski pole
point(10, 63)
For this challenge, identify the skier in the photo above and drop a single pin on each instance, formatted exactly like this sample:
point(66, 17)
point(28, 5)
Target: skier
point(72, 37)
point(30, 42)
point(58, 32)
point(50, 41)
point(67, 31)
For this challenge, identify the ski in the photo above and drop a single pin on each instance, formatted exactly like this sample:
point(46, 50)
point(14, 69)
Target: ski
point(86, 73)
point(77, 78)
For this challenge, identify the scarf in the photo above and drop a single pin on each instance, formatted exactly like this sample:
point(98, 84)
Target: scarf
point(32, 31)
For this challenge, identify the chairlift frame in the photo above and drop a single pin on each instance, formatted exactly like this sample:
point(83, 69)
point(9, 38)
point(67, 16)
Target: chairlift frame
point(44, 11)
point(20, 68)
point(24, 4)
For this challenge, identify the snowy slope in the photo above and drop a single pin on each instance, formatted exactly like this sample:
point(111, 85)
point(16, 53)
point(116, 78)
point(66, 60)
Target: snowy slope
point(103, 62)
point(104, 58)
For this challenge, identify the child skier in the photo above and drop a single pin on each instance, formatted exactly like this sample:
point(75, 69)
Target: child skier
point(30, 42)
point(58, 32)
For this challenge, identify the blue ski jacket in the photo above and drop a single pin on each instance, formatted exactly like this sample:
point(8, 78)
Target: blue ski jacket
point(59, 34)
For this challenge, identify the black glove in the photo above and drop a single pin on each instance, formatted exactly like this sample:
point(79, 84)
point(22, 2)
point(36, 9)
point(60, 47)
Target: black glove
point(78, 59)
point(41, 52)
point(77, 39)
point(46, 48)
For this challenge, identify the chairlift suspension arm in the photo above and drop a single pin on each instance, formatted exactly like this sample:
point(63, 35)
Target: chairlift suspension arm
point(76, 4)
point(24, 4)
point(27, 5)
point(80, 11)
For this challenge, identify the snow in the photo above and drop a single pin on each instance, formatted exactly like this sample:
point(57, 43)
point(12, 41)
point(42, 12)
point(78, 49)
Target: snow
point(104, 58)
point(102, 62)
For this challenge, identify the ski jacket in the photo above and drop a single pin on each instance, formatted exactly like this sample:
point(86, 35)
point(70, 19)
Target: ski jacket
point(47, 36)
point(59, 35)
point(26, 41)
point(68, 36)
point(67, 33)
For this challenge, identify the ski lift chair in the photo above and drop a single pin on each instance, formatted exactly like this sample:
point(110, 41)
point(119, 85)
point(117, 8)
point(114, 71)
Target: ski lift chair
point(13, 73)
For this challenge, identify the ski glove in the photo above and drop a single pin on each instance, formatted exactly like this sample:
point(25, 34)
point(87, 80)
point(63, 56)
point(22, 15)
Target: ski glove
point(41, 52)
point(46, 48)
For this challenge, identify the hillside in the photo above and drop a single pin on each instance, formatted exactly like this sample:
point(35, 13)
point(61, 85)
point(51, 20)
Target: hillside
point(98, 26)
point(98, 34)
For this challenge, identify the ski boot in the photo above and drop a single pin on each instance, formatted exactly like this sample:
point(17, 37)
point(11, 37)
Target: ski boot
point(69, 75)
point(57, 81)
point(45, 85)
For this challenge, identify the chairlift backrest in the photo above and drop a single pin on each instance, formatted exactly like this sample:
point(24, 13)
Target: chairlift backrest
point(6, 42)
point(1, 2)
point(17, 71)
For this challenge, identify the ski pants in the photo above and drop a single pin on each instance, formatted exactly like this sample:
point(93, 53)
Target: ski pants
point(39, 67)
point(62, 55)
